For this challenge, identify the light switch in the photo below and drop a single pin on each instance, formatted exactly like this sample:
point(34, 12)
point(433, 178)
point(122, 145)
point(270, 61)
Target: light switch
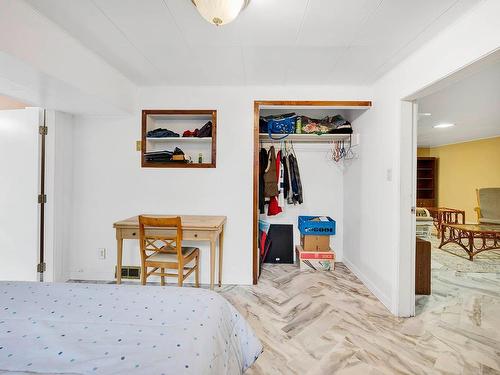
point(389, 174)
point(138, 145)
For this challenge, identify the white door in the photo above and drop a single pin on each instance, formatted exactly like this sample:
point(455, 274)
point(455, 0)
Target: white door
point(19, 177)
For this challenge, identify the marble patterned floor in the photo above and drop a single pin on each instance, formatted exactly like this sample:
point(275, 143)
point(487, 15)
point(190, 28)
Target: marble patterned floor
point(329, 323)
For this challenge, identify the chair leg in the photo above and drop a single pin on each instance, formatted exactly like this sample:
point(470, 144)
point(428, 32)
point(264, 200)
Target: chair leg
point(197, 272)
point(162, 282)
point(180, 274)
point(144, 271)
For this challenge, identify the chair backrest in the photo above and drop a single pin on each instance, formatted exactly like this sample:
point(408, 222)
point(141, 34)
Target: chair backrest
point(489, 202)
point(154, 238)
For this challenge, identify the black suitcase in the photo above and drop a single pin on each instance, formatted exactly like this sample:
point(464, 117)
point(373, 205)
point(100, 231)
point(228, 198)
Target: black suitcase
point(281, 244)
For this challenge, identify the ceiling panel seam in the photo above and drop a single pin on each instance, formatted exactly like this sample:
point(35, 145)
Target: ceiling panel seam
point(376, 73)
point(177, 25)
point(126, 37)
point(67, 33)
point(299, 31)
point(356, 35)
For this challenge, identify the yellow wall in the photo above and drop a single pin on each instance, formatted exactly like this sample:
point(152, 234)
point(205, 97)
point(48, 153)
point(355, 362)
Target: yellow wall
point(423, 152)
point(464, 167)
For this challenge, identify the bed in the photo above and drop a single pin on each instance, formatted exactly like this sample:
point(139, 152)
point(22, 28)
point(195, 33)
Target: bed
point(71, 328)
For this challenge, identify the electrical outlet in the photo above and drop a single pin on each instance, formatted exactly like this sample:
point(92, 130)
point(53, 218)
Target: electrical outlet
point(389, 175)
point(101, 253)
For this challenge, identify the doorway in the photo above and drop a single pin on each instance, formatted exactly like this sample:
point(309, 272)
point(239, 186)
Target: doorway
point(457, 135)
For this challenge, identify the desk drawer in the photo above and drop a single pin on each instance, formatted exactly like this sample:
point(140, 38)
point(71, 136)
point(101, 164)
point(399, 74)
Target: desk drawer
point(130, 233)
point(195, 235)
point(190, 235)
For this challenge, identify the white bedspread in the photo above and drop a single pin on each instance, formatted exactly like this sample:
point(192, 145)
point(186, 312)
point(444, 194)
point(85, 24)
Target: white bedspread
point(54, 328)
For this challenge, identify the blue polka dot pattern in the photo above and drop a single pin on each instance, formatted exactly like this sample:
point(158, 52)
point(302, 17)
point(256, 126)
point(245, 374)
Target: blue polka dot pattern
point(100, 329)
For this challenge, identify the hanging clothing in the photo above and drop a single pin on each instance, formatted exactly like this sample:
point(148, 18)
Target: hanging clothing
point(274, 205)
point(279, 163)
point(295, 181)
point(270, 175)
point(286, 181)
point(274, 208)
point(262, 168)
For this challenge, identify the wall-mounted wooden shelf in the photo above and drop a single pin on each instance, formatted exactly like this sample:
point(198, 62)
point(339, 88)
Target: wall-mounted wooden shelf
point(179, 139)
point(179, 121)
point(308, 138)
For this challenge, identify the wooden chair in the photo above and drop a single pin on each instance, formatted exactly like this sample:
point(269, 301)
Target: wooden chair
point(161, 248)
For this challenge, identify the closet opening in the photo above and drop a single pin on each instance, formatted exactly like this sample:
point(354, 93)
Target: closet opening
point(320, 139)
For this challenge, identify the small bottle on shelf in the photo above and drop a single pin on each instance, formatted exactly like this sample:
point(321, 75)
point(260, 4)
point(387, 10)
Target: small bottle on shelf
point(200, 158)
point(298, 125)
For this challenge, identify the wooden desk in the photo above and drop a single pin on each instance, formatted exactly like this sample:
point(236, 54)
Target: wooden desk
point(194, 228)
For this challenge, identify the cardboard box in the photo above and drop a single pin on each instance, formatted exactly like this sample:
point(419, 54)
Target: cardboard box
point(314, 260)
point(315, 243)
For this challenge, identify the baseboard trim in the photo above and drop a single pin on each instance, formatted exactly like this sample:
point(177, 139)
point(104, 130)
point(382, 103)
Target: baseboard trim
point(386, 301)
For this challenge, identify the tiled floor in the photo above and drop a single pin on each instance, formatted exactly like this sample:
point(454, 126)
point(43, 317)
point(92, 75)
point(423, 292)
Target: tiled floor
point(329, 323)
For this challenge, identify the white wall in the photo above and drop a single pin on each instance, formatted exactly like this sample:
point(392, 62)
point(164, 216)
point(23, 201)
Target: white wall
point(109, 184)
point(382, 255)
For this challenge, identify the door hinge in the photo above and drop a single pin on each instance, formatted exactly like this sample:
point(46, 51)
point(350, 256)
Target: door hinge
point(40, 268)
point(413, 210)
point(42, 198)
point(43, 130)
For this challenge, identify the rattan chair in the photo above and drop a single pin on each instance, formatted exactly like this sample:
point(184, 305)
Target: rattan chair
point(488, 201)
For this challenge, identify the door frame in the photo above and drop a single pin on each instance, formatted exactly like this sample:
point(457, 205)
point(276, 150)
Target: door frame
point(404, 304)
point(257, 104)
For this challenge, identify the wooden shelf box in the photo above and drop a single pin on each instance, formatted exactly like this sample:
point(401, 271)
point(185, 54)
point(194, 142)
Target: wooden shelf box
point(179, 121)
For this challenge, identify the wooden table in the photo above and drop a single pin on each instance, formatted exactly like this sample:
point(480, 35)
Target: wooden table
point(465, 235)
point(194, 228)
point(444, 215)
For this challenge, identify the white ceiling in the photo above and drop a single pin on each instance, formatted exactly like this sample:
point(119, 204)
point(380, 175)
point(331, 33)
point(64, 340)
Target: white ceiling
point(273, 42)
point(472, 104)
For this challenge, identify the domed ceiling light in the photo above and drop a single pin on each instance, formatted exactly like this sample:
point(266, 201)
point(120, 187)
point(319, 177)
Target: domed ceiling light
point(220, 12)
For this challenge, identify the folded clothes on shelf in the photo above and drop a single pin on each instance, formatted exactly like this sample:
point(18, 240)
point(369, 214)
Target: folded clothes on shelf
point(205, 131)
point(161, 133)
point(189, 133)
point(166, 156)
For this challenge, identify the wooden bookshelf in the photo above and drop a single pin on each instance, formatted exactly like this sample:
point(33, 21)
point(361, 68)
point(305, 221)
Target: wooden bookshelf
point(426, 182)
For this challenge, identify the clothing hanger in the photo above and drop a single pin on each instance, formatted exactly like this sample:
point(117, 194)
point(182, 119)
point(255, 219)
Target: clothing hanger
point(293, 150)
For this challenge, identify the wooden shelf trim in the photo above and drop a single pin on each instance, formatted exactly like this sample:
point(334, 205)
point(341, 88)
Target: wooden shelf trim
point(209, 113)
point(179, 139)
point(312, 138)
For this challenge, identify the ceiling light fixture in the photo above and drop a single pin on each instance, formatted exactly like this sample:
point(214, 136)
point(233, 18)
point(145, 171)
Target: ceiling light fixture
point(425, 114)
point(444, 125)
point(220, 12)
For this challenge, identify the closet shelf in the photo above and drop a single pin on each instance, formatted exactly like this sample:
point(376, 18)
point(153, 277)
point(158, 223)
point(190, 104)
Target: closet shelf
point(179, 139)
point(323, 138)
